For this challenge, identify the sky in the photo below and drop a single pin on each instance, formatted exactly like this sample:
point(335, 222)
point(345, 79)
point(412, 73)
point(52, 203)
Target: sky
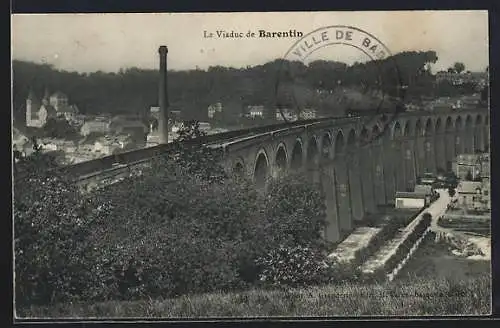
point(110, 42)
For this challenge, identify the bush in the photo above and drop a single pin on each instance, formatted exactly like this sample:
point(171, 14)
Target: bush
point(294, 267)
point(295, 212)
point(50, 235)
point(176, 229)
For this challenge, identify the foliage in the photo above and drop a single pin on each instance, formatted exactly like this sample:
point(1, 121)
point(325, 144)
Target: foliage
point(451, 192)
point(49, 233)
point(194, 157)
point(181, 227)
point(59, 128)
point(295, 210)
point(458, 67)
point(195, 90)
point(294, 266)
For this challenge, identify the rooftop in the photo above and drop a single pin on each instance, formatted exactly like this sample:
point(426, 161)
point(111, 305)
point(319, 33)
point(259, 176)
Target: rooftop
point(413, 195)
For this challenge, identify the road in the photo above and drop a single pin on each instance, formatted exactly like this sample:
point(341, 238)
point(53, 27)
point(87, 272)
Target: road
point(437, 209)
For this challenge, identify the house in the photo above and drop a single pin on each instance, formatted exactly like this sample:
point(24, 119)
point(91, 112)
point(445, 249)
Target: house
point(308, 114)
point(466, 163)
point(411, 200)
point(474, 195)
point(255, 111)
point(95, 126)
point(128, 124)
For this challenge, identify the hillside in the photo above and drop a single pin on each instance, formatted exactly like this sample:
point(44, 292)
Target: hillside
point(276, 83)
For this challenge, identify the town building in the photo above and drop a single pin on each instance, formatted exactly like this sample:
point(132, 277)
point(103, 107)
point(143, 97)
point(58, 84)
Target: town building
point(128, 124)
point(51, 106)
point(255, 111)
point(474, 195)
point(479, 78)
point(307, 114)
point(410, 200)
point(468, 163)
point(95, 126)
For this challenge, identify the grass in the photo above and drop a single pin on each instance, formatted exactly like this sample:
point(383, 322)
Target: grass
point(406, 297)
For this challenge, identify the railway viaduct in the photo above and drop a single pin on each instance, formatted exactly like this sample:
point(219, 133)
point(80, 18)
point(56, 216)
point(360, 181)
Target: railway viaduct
point(360, 164)
point(360, 161)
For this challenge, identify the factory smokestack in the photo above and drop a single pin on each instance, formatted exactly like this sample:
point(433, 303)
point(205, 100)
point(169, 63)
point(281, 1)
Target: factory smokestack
point(163, 97)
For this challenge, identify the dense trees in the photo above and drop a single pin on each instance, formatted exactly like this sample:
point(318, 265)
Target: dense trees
point(458, 67)
point(181, 227)
point(276, 83)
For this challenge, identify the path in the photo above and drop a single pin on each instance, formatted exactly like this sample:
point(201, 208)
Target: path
point(438, 208)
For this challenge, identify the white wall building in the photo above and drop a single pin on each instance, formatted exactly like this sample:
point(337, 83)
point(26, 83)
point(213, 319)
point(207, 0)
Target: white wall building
point(410, 200)
point(255, 111)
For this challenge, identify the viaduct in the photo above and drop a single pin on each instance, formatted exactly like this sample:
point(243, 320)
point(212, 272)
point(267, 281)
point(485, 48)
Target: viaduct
point(360, 164)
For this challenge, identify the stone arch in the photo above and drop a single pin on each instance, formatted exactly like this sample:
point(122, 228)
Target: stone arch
point(428, 127)
point(326, 146)
point(312, 151)
point(296, 159)
point(438, 128)
point(458, 123)
point(407, 131)
point(418, 128)
point(397, 131)
point(478, 142)
point(468, 122)
point(449, 124)
point(339, 143)
point(281, 158)
point(479, 119)
point(364, 135)
point(375, 133)
point(351, 139)
point(261, 170)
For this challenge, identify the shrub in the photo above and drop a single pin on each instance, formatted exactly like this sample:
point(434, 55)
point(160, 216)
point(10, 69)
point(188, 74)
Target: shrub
point(176, 229)
point(50, 231)
point(295, 211)
point(294, 267)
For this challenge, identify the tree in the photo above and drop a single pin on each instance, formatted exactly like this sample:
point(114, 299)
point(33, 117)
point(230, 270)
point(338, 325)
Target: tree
point(458, 67)
point(59, 128)
point(50, 227)
point(194, 157)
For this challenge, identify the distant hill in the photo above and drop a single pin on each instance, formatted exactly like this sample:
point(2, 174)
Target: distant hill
point(276, 83)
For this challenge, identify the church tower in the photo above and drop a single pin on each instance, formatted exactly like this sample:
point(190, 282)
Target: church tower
point(46, 97)
point(32, 107)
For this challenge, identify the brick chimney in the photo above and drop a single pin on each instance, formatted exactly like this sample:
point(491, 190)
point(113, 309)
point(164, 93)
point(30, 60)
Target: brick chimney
point(163, 97)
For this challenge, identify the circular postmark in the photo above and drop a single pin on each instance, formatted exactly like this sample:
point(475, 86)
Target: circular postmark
point(314, 77)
